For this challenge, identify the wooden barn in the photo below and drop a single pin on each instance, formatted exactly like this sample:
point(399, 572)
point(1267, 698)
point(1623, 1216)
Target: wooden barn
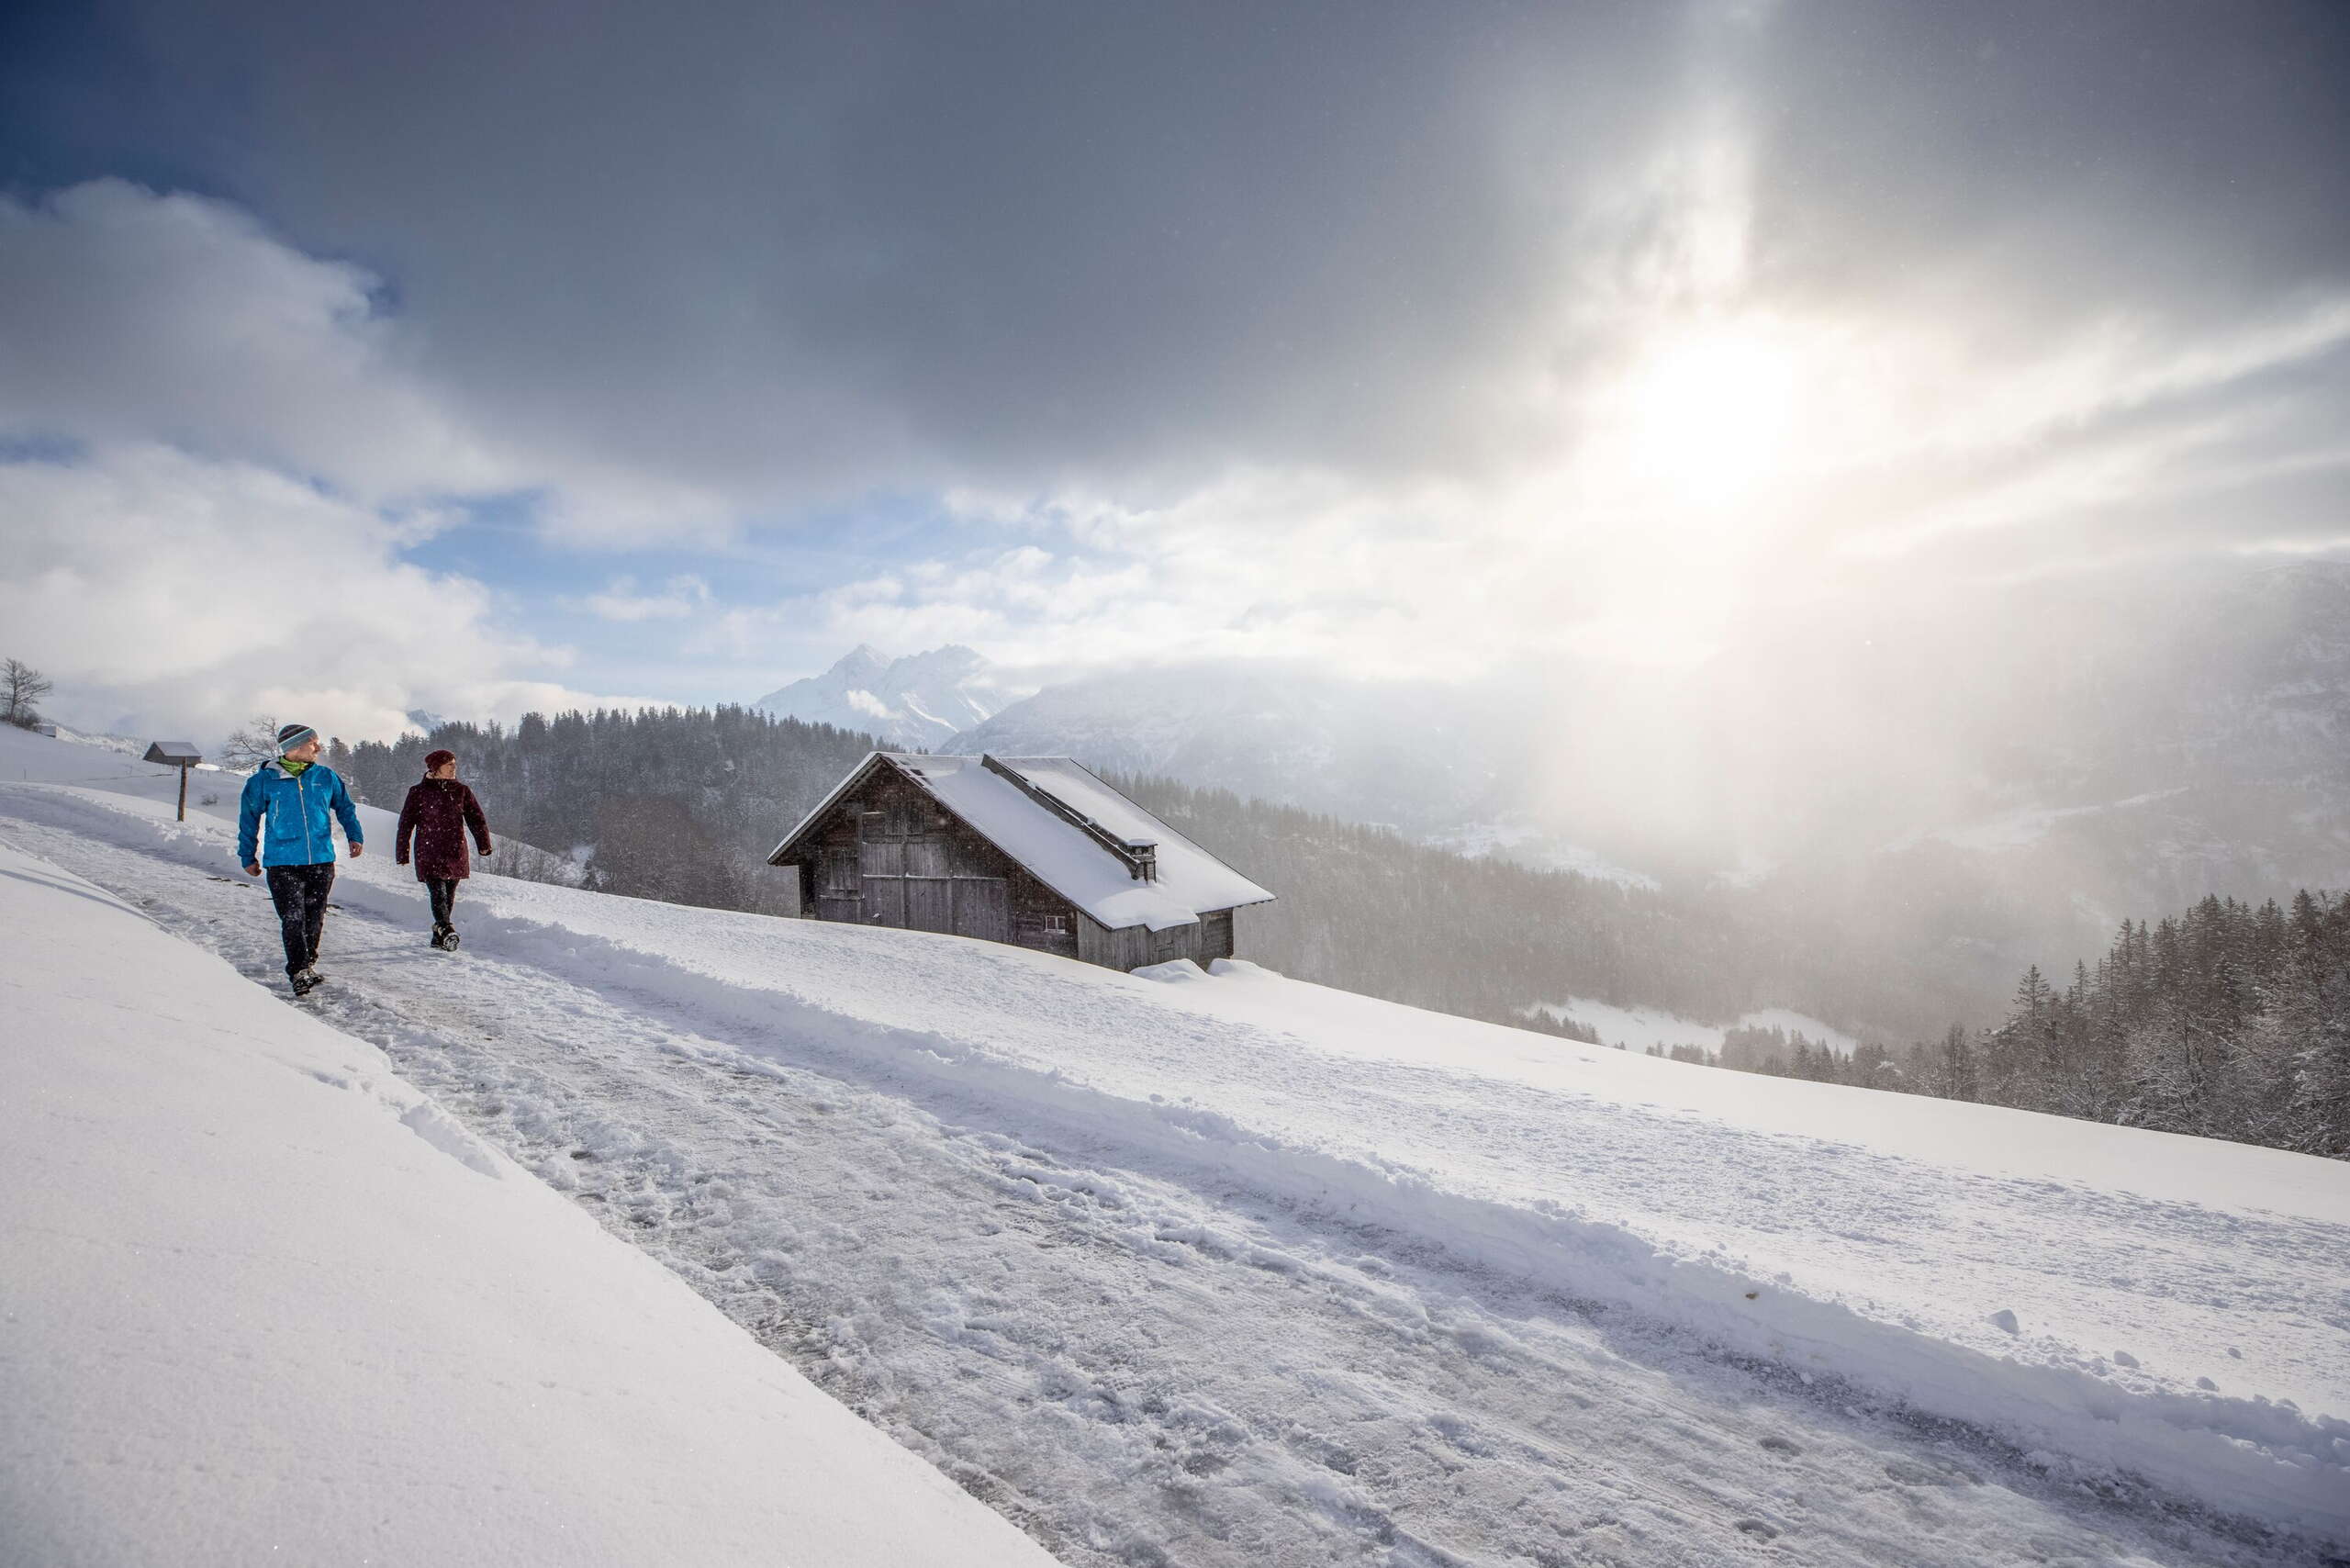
point(1037, 851)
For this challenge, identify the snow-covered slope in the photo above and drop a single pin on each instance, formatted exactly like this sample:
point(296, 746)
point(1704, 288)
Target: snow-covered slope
point(920, 700)
point(1130, 1256)
point(264, 1301)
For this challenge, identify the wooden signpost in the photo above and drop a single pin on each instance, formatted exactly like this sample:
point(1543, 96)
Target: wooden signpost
point(179, 754)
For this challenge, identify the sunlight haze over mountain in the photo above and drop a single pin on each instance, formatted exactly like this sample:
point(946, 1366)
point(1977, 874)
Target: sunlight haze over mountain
point(423, 360)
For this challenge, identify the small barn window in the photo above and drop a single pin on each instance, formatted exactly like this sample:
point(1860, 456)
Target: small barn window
point(839, 872)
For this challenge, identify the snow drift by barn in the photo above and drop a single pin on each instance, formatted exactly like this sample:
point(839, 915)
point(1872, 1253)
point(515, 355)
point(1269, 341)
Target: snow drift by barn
point(1034, 851)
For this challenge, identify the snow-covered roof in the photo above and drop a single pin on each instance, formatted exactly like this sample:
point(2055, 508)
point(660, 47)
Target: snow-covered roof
point(172, 750)
point(999, 799)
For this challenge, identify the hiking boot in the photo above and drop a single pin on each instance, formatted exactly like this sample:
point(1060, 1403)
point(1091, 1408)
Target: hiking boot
point(306, 982)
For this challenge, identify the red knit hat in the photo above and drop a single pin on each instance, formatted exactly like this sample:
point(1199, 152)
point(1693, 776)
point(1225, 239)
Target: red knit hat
point(434, 760)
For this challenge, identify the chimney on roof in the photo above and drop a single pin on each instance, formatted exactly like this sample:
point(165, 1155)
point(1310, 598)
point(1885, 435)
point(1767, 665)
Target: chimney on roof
point(1142, 858)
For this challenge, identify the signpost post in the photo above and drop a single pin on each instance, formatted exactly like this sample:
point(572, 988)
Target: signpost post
point(179, 754)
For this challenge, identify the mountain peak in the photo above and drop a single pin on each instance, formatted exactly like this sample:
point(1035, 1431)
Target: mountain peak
point(952, 656)
point(920, 700)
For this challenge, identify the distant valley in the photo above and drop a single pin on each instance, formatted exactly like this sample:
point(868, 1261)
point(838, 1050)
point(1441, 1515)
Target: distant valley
point(2122, 757)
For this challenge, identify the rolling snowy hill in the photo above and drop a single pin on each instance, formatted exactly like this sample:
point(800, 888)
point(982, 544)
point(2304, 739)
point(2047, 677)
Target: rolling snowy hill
point(1234, 1270)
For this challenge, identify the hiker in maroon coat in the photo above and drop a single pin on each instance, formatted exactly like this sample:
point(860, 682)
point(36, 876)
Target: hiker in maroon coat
point(435, 816)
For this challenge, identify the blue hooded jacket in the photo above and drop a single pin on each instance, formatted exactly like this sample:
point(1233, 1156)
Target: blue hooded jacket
point(297, 805)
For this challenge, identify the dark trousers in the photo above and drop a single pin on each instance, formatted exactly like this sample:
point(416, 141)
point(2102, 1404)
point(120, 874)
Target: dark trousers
point(443, 892)
point(300, 894)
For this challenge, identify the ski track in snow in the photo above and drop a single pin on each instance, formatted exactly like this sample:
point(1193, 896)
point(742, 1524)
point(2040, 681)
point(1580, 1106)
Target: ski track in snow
point(1138, 1366)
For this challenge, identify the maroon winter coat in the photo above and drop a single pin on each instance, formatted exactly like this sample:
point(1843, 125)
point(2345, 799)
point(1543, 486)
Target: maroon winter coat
point(436, 814)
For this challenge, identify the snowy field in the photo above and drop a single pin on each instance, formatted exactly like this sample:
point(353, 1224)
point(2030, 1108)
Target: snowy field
point(1235, 1270)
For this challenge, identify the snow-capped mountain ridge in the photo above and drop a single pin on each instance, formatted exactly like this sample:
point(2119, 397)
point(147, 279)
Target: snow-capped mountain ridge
point(1416, 756)
point(916, 701)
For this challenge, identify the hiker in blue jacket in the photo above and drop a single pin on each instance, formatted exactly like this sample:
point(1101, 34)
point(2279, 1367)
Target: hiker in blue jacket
point(296, 793)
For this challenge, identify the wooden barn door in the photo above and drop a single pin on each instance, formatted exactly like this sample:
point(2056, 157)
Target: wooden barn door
point(840, 885)
point(929, 904)
point(918, 869)
point(930, 887)
point(881, 865)
point(983, 907)
point(982, 893)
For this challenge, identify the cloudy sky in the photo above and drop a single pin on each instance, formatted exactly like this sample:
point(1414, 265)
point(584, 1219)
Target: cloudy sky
point(484, 357)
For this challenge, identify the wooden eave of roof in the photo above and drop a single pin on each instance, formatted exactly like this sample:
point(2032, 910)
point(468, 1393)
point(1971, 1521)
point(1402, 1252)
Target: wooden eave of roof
point(782, 855)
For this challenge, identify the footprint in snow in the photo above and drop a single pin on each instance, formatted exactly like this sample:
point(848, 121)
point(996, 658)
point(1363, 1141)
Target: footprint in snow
point(1910, 1474)
point(1781, 1445)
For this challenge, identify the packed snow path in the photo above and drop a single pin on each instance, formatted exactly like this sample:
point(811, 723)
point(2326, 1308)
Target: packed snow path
point(261, 1300)
point(1135, 1367)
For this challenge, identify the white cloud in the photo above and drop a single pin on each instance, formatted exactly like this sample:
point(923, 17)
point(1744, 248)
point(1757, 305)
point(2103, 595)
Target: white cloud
point(167, 592)
point(682, 596)
point(1676, 446)
point(247, 455)
point(1786, 460)
point(133, 316)
point(137, 316)
point(1603, 515)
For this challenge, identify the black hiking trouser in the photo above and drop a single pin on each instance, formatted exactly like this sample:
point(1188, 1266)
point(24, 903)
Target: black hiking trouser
point(300, 894)
point(443, 892)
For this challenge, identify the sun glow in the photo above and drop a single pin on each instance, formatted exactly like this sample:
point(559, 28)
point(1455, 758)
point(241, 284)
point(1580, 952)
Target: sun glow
point(1707, 416)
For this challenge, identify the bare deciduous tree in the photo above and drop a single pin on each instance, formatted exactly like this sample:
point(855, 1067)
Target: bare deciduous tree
point(252, 745)
point(21, 689)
